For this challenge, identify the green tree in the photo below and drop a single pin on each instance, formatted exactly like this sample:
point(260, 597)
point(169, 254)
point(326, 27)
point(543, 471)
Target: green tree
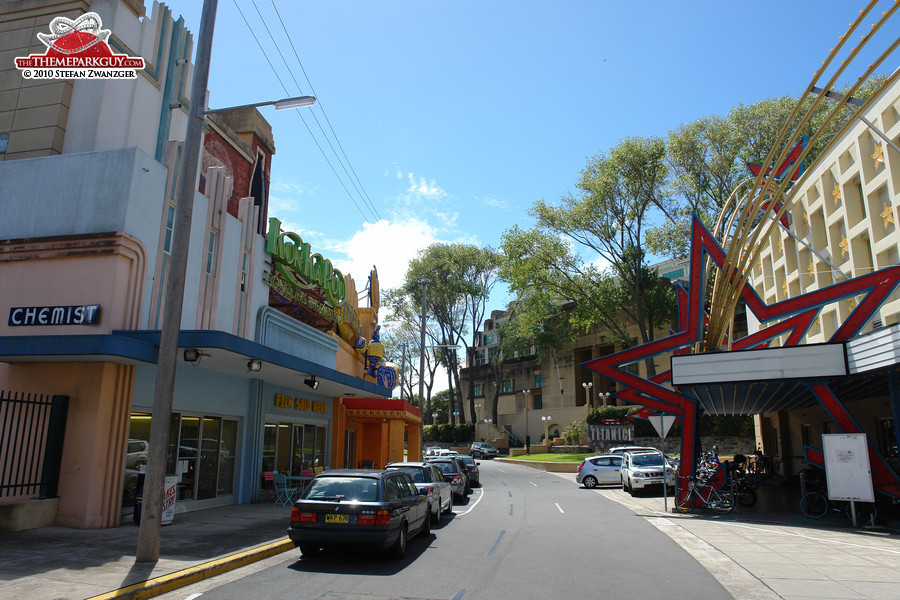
point(585, 258)
point(460, 278)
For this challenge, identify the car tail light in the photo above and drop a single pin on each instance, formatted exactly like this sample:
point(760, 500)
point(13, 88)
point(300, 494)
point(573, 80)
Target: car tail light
point(431, 490)
point(579, 466)
point(382, 517)
point(457, 479)
point(299, 516)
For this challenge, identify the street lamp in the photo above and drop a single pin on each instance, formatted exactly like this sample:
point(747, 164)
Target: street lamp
point(434, 417)
point(546, 420)
point(284, 103)
point(148, 534)
point(587, 393)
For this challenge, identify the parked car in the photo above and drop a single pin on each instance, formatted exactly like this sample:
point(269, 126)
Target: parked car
point(359, 507)
point(453, 474)
point(623, 449)
point(428, 477)
point(433, 451)
point(599, 470)
point(465, 469)
point(472, 471)
point(645, 468)
point(483, 450)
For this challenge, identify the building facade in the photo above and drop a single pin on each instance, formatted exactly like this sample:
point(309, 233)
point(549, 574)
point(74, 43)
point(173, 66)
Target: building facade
point(88, 173)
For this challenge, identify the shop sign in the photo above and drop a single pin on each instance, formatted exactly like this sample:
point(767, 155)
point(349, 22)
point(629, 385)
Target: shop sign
point(284, 401)
point(86, 314)
point(302, 268)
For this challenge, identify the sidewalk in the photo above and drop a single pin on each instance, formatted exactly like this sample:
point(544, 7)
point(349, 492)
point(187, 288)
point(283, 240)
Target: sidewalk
point(756, 554)
point(771, 551)
point(72, 564)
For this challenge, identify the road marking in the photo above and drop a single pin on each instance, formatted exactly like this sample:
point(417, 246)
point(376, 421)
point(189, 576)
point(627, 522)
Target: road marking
point(502, 471)
point(192, 596)
point(496, 543)
point(533, 483)
point(560, 508)
point(458, 595)
point(480, 496)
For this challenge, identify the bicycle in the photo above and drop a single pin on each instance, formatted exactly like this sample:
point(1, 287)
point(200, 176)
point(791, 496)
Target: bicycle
point(720, 501)
point(817, 504)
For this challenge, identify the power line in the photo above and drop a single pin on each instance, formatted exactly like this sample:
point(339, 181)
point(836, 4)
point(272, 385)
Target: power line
point(300, 116)
point(322, 107)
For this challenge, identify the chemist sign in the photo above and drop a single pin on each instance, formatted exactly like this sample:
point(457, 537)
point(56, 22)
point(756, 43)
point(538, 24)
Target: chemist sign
point(84, 314)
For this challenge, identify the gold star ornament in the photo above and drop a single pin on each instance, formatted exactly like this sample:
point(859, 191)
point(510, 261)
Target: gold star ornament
point(843, 245)
point(836, 192)
point(887, 214)
point(811, 267)
point(878, 155)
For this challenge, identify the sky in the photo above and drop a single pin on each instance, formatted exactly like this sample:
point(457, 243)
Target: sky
point(445, 121)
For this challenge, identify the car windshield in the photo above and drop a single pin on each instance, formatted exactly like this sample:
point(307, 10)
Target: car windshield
point(359, 489)
point(417, 473)
point(647, 460)
point(486, 446)
point(469, 460)
point(446, 467)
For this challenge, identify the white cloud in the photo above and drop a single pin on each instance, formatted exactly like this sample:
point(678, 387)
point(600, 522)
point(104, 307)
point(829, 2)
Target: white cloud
point(387, 245)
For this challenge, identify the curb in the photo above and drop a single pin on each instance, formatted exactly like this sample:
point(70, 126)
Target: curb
point(172, 581)
point(550, 467)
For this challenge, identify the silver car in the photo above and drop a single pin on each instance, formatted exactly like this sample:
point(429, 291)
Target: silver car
point(599, 470)
point(427, 476)
point(641, 469)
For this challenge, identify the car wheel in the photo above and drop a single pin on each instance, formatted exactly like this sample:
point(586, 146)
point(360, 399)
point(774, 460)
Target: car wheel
point(436, 515)
point(309, 549)
point(590, 482)
point(399, 549)
point(426, 526)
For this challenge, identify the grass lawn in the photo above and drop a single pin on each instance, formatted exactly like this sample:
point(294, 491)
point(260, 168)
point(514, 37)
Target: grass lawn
point(553, 457)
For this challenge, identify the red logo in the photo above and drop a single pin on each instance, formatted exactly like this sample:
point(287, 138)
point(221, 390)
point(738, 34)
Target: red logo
point(78, 50)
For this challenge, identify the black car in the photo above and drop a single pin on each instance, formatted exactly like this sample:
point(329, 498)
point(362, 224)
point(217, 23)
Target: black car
point(472, 471)
point(359, 507)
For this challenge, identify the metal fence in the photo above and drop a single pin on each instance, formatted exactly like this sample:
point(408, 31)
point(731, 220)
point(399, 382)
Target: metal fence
point(31, 441)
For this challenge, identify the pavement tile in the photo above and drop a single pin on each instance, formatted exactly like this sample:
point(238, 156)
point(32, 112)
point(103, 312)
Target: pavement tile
point(818, 589)
point(874, 590)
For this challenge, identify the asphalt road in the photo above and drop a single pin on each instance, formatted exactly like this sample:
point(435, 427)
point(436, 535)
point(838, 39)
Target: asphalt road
point(523, 535)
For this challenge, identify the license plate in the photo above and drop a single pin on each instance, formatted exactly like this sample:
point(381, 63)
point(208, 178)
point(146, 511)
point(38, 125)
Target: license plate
point(331, 518)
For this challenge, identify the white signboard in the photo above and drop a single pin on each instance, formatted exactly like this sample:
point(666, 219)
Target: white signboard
point(168, 505)
point(847, 467)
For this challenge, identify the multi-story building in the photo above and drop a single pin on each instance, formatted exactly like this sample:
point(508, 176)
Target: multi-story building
point(268, 377)
point(844, 224)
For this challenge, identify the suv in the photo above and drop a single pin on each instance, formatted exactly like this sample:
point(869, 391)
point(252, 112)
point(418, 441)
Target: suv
point(623, 449)
point(642, 468)
point(483, 450)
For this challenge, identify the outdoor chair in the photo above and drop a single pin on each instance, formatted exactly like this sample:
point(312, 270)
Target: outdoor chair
point(284, 495)
point(268, 487)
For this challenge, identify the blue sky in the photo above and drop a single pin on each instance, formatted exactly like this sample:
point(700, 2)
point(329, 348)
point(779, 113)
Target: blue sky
point(451, 118)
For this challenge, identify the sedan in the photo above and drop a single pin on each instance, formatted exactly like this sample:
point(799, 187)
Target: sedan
point(428, 477)
point(359, 507)
point(472, 471)
point(596, 470)
point(453, 474)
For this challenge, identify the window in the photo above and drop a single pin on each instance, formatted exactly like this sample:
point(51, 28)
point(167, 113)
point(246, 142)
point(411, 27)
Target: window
point(538, 402)
point(538, 381)
point(478, 390)
point(493, 352)
point(488, 339)
point(508, 386)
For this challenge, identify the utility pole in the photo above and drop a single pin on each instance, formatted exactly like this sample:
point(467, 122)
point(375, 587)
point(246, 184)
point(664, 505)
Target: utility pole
point(422, 352)
point(151, 509)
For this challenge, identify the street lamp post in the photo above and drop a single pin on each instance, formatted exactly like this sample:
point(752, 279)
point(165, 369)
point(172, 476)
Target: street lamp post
point(587, 393)
point(546, 420)
point(167, 356)
point(527, 437)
